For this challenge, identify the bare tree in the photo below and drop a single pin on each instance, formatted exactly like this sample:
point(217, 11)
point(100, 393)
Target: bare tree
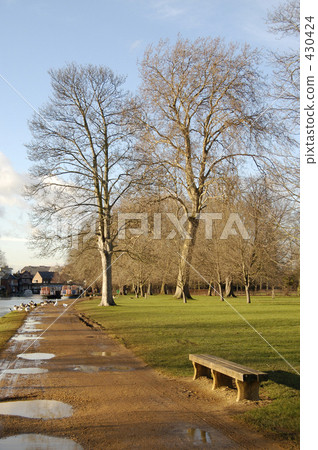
point(285, 21)
point(82, 160)
point(3, 261)
point(201, 112)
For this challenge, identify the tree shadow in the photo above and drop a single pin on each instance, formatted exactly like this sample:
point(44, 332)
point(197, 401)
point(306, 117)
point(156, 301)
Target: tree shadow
point(288, 379)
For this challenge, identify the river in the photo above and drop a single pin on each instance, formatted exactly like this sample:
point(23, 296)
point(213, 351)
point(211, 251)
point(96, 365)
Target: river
point(8, 302)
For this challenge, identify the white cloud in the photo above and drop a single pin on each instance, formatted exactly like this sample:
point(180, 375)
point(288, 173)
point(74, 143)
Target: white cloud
point(169, 9)
point(135, 44)
point(12, 239)
point(11, 184)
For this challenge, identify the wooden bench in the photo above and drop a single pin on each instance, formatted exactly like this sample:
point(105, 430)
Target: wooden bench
point(223, 372)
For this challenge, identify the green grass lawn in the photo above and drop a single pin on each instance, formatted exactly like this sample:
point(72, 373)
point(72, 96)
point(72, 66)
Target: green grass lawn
point(163, 331)
point(9, 325)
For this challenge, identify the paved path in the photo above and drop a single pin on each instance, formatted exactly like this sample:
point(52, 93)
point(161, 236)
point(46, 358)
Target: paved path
point(118, 402)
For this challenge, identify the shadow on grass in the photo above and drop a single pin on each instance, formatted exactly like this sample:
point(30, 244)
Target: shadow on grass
point(288, 379)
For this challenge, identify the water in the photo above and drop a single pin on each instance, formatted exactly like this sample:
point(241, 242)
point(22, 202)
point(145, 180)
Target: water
point(36, 356)
point(92, 369)
point(103, 353)
point(24, 371)
point(37, 409)
point(198, 436)
point(39, 442)
point(8, 302)
point(24, 337)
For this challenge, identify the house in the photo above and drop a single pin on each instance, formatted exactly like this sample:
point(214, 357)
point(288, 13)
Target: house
point(24, 281)
point(10, 283)
point(5, 270)
point(34, 269)
point(43, 277)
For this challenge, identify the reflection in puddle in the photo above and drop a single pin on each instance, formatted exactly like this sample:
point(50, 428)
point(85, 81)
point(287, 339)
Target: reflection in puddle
point(103, 353)
point(24, 371)
point(37, 441)
point(24, 337)
point(34, 356)
point(91, 369)
point(37, 409)
point(199, 436)
point(32, 330)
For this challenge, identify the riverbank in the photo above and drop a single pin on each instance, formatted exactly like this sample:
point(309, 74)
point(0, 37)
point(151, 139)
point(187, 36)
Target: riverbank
point(9, 324)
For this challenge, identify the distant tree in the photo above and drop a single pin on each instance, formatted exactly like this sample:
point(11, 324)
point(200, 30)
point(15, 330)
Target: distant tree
point(82, 161)
point(3, 261)
point(202, 111)
point(263, 254)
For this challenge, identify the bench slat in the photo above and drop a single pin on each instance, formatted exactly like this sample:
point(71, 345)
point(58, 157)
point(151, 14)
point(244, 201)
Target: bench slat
point(217, 360)
point(229, 368)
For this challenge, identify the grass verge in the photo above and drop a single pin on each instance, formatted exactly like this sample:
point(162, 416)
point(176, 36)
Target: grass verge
point(163, 331)
point(9, 325)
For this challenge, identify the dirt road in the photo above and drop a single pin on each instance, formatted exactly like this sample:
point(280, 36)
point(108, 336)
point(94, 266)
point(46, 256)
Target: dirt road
point(114, 400)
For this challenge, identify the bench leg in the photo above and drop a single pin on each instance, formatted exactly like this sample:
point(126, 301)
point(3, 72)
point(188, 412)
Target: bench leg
point(200, 371)
point(219, 379)
point(247, 390)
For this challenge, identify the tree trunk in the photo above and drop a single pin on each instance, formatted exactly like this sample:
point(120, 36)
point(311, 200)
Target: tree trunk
point(220, 291)
point(210, 289)
point(182, 288)
point(248, 294)
point(273, 292)
point(163, 289)
point(149, 289)
point(107, 294)
point(229, 289)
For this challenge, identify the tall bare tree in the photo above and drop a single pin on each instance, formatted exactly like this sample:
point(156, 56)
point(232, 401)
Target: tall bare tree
point(82, 159)
point(201, 112)
point(284, 21)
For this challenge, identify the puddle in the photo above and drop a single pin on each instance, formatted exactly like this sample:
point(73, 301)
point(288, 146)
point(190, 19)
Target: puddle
point(24, 371)
point(213, 438)
point(198, 436)
point(103, 353)
point(37, 409)
point(91, 369)
point(39, 442)
point(32, 322)
point(31, 330)
point(35, 356)
point(24, 337)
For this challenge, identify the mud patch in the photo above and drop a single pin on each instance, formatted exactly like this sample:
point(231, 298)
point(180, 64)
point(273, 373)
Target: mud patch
point(37, 409)
point(38, 441)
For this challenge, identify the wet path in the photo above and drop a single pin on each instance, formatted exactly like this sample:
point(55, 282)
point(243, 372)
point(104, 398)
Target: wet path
point(110, 398)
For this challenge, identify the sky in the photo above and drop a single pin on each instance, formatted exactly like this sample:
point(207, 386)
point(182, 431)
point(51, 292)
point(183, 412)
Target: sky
point(37, 35)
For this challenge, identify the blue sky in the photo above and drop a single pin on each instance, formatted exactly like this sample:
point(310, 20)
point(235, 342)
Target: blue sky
point(37, 35)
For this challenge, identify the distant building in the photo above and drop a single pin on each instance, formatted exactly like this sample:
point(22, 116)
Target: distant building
point(5, 270)
point(24, 281)
point(34, 269)
point(43, 277)
point(10, 284)
point(5, 284)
